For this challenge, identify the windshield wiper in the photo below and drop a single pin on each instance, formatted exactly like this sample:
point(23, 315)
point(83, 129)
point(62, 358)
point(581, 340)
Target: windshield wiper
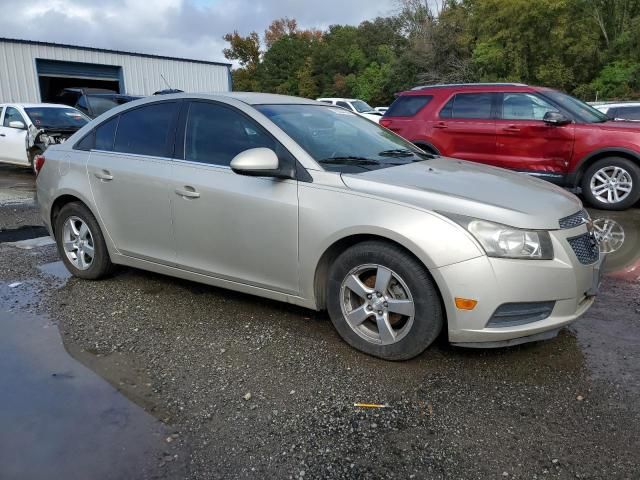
point(398, 152)
point(349, 160)
point(404, 152)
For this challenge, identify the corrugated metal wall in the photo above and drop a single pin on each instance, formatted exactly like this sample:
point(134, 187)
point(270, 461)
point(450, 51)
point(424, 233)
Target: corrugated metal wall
point(19, 79)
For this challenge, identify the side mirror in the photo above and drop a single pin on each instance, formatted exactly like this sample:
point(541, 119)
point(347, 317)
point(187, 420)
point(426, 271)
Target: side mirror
point(555, 118)
point(17, 124)
point(259, 162)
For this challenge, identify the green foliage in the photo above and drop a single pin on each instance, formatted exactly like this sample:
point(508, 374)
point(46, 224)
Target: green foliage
point(581, 46)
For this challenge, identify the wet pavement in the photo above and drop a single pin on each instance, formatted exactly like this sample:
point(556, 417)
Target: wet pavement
point(61, 420)
point(259, 389)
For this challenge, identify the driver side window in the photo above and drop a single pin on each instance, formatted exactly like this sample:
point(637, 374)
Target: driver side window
point(12, 115)
point(524, 106)
point(215, 134)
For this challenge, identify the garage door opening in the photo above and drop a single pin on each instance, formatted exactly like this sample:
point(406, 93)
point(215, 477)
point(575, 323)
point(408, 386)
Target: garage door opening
point(54, 76)
point(50, 87)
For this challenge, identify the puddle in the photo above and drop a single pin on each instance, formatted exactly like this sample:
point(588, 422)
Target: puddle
point(61, 420)
point(26, 232)
point(55, 269)
point(619, 236)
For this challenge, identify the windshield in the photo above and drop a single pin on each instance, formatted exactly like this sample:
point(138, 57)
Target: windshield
point(580, 110)
point(63, 118)
point(342, 141)
point(102, 103)
point(361, 106)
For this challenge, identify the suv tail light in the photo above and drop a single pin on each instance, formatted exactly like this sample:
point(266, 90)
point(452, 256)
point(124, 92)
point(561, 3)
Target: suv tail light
point(385, 122)
point(38, 163)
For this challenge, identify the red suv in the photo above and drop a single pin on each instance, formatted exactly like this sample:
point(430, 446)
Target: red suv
point(539, 131)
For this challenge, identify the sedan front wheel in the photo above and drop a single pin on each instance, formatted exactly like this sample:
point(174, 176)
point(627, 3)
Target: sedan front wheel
point(383, 302)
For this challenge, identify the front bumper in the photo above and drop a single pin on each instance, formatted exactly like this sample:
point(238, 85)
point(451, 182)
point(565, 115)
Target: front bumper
point(497, 281)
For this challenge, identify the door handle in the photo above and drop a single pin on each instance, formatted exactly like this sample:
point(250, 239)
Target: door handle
point(511, 128)
point(104, 175)
point(187, 192)
point(2, 135)
point(440, 125)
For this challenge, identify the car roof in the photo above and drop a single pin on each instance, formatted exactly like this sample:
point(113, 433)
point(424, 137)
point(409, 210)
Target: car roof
point(616, 104)
point(338, 99)
point(87, 90)
point(492, 86)
point(250, 98)
point(36, 105)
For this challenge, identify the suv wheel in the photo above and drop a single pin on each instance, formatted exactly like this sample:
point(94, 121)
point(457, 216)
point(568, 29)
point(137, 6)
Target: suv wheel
point(612, 183)
point(80, 242)
point(383, 302)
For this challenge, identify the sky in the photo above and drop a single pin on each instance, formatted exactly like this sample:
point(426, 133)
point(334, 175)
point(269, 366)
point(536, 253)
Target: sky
point(181, 28)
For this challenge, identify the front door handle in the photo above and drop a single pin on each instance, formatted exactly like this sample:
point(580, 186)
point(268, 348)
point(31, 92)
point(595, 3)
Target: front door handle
point(187, 192)
point(2, 135)
point(104, 175)
point(511, 128)
point(440, 125)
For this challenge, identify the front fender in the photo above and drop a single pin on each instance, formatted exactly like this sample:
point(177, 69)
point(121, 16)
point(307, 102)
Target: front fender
point(328, 215)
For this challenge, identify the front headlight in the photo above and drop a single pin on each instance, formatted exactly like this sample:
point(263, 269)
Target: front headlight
point(508, 242)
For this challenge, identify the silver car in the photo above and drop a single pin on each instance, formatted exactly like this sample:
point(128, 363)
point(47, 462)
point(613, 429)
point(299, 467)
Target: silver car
point(310, 204)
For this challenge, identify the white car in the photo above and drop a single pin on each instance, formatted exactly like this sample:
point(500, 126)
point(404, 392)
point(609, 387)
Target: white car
point(629, 111)
point(359, 107)
point(26, 130)
point(382, 110)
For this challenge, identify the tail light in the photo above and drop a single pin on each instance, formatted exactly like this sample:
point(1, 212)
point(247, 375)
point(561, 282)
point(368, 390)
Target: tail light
point(385, 122)
point(38, 163)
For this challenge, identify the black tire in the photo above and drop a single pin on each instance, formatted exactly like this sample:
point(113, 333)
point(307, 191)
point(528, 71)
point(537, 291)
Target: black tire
point(629, 166)
point(428, 317)
point(101, 264)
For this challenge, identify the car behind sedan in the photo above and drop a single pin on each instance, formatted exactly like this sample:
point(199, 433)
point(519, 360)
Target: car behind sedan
point(310, 204)
point(27, 130)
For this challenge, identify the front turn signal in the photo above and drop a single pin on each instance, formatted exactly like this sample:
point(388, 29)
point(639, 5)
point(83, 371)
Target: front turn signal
point(465, 303)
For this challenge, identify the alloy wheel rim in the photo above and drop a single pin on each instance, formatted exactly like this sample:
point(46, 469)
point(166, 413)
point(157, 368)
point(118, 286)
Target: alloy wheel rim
point(609, 234)
point(377, 304)
point(78, 243)
point(611, 184)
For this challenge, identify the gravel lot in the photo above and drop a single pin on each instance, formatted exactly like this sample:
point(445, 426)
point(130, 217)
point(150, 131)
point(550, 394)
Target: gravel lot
point(259, 389)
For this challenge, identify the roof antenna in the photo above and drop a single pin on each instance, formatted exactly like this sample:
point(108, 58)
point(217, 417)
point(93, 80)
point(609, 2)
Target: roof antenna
point(165, 82)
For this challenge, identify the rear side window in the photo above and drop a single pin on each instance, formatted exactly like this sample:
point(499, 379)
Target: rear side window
point(626, 113)
point(215, 134)
point(343, 105)
point(408, 105)
point(468, 105)
point(105, 135)
point(147, 130)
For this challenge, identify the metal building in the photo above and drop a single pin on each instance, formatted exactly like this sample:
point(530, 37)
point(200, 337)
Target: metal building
point(37, 71)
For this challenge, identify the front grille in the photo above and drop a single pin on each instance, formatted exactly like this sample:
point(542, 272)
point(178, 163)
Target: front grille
point(586, 248)
point(574, 220)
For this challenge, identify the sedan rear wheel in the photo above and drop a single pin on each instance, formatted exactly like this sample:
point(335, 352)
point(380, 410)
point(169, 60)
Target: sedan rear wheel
point(80, 242)
point(383, 301)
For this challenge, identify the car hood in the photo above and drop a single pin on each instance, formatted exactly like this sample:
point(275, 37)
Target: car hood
point(449, 185)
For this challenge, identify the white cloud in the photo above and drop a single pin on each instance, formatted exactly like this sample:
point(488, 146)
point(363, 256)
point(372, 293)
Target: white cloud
point(183, 28)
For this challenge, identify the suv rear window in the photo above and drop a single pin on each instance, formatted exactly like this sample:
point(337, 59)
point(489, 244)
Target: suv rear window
point(468, 105)
point(408, 105)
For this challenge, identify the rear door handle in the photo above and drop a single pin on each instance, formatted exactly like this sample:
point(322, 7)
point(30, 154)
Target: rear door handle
point(2, 135)
point(187, 192)
point(511, 128)
point(104, 175)
point(440, 125)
